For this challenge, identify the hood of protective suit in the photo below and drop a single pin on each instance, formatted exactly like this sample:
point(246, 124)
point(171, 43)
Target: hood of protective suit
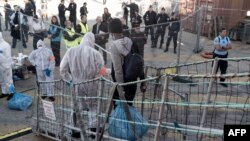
point(123, 45)
point(84, 62)
point(40, 44)
point(88, 40)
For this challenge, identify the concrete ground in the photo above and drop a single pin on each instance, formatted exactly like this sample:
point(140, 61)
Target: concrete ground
point(11, 121)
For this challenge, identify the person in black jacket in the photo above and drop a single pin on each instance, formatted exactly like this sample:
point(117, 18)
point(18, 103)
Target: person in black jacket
point(125, 13)
point(136, 20)
point(100, 30)
point(150, 19)
point(72, 9)
point(28, 9)
point(61, 13)
point(8, 12)
point(33, 6)
point(138, 37)
point(133, 7)
point(83, 9)
point(174, 28)
point(126, 31)
point(15, 27)
point(163, 19)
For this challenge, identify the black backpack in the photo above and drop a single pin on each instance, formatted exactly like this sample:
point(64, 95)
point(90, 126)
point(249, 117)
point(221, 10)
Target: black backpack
point(133, 64)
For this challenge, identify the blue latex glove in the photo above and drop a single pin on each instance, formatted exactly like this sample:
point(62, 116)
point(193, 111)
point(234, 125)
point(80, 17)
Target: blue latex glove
point(47, 72)
point(12, 89)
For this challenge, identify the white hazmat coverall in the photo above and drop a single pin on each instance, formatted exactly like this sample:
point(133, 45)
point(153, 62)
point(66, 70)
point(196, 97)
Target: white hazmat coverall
point(43, 59)
point(5, 66)
point(81, 64)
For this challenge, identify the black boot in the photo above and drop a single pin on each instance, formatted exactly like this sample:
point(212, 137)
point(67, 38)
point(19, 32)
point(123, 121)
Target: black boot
point(175, 50)
point(166, 50)
point(160, 46)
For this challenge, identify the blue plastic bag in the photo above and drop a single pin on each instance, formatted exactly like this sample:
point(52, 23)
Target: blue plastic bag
point(20, 102)
point(119, 127)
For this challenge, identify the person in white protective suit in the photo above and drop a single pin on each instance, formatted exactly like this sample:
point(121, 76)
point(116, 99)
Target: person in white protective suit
point(81, 64)
point(6, 80)
point(44, 61)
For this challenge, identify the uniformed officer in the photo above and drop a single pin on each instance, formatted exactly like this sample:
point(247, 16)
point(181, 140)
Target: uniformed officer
point(173, 30)
point(70, 38)
point(150, 19)
point(222, 45)
point(162, 19)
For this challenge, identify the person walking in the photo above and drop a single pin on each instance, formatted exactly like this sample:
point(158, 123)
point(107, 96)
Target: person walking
point(54, 34)
point(222, 44)
point(39, 30)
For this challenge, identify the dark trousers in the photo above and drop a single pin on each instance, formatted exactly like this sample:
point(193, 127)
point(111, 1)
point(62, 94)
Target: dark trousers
point(222, 64)
point(160, 32)
point(25, 29)
point(36, 38)
point(151, 30)
point(130, 91)
point(7, 22)
point(104, 53)
point(73, 20)
point(55, 46)
point(126, 19)
point(14, 41)
point(62, 21)
point(170, 36)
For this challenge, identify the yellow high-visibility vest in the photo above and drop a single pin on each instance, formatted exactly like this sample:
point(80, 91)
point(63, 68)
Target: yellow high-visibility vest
point(84, 29)
point(70, 44)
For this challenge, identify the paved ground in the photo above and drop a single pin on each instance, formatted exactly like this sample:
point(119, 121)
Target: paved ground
point(14, 120)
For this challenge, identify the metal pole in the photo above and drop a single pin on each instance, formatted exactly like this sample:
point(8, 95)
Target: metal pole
point(179, 47)
point(100, 92)
point(197, 46)
point(215, 65)
point(164, 94)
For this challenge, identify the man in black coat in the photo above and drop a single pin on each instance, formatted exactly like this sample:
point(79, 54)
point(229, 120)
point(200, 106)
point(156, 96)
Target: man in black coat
point(136, 20)
point(61, 13)
point(33, 6)
point(133, 7)
point(174, 28)
point(72, 9)
point(83, 9)
point(125, 13)
point(162, 19)
point(100, 29)
point(28, 9)
point(15, 28)
point(150, 19)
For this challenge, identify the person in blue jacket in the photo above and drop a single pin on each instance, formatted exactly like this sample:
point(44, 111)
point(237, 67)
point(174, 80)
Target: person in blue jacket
point(54, 34)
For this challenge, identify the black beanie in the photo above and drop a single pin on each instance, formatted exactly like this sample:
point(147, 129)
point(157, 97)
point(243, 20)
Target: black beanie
point(115, 26)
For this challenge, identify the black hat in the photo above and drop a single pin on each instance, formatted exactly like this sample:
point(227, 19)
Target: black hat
point(150, 6)
point(172, 14)
point(163, 8)
point(115, 26)
point(84, 3)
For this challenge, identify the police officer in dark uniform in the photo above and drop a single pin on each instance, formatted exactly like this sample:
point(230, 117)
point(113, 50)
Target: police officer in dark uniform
point(61, 13)
point(72, 9)
point(136, 20)
point(162, 19)
point(150, 19)
point(174, 28)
